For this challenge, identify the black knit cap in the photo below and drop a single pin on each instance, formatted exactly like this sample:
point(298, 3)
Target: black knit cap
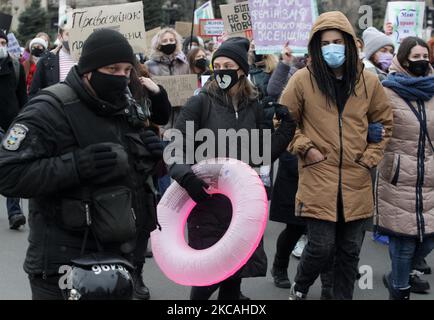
point(237, 49)
point(102, 48)
point(3, 36)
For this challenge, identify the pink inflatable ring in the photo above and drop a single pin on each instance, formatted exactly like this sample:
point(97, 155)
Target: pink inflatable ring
point(187, 266)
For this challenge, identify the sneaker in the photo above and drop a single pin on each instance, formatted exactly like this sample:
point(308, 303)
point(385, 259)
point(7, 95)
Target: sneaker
point(16, 221)
point(418, 285)
point(422, 267)
point(296, 295)
point(280, 277)
point(299, 247)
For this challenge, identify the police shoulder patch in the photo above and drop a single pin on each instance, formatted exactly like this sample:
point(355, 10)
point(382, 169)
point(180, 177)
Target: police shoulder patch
point(15, 137)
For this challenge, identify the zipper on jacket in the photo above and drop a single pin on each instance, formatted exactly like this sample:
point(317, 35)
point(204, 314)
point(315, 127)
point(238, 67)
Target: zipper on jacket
point(341, 156)
point(420, 175)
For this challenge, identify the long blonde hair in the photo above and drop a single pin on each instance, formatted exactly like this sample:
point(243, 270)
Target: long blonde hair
point(157, 39)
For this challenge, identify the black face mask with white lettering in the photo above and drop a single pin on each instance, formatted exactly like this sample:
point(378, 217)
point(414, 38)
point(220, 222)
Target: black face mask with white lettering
point(419, 67)
point(168, 48)
point(109, 88)
point(226, 79)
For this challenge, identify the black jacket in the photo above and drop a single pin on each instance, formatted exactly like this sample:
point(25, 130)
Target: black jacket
point(44, 170)
point(210, 219)
point(47, 73)
point(13, 95)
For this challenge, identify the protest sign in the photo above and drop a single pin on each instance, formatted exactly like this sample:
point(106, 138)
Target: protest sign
point(14, 48)
point(236, 19)
point(203, 12)
point(5, 22)
point(277, 22)
point(211, 27)
point(179, 88)
point(126, 18)
point(184, 28)
point(406, 18)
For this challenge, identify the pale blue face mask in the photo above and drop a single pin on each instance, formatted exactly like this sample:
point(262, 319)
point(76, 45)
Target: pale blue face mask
point(334, 55)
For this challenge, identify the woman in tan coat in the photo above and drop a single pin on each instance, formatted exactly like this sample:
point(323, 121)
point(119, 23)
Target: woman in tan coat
point(405, 185)
point(333, 99)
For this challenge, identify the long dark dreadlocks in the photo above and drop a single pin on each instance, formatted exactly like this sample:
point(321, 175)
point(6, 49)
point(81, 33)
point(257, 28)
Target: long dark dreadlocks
point(323, 73)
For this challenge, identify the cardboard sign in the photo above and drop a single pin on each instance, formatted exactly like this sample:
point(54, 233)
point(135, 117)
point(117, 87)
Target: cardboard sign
point(406, 18)
point(236, 19)
point(14, 48)
point(277, 22)
point(184, 28)
point(205, 11)
point(126, 18)
point(5, 22)
point(179, 88)
point(211, 27)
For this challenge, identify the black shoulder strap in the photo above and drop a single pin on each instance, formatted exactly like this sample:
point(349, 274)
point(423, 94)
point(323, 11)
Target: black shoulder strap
point(421, 121)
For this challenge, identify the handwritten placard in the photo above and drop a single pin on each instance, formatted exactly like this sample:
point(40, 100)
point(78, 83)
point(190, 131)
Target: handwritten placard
point(184, 28)
point(13, 45)
point(179, 88)
point(277, 22)
point(406, 18)
point(211, 27)
point(126, 18)
point(236, 19)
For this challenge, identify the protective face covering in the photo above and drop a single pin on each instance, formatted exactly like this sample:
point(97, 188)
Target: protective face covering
point(3, 52)
point(385, 60)
point(201, 63)
point(419, 67)
point(37, 52)
point(226, 79)
point(334, 55)
point(109, 88)
point(65, 44)
point(168, 48)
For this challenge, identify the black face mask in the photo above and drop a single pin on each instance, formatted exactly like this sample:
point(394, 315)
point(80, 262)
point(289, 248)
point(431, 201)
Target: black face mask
point(201, 64)
point(65, 44)
point(37, 52)
point(168, 48)
point(226, 79)
point(419, 67)
point(109, 88)
point(258, 57)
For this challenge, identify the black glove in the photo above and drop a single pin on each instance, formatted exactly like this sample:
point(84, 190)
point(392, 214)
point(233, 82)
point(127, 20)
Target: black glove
point(101, 162)
point(195, 187)
point(281, 112)
point(152, 143)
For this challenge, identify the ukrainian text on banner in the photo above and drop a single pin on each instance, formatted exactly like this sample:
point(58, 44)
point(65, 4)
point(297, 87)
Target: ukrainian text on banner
point(126, 18)
point(211, 27)
point(13, 46)
point(406, 18)
point(203, 12)
point(277, 22)
point(236, 19)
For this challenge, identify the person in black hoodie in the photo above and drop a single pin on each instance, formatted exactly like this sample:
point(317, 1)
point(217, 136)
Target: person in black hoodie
point(229, 102)
point(13, 97)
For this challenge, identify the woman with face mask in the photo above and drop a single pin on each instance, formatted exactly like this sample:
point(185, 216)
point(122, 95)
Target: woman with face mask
point(333, 99)
point(406, 175)
point(199, 64)
point(228, 103)
point(378, 52)
point(37, 48)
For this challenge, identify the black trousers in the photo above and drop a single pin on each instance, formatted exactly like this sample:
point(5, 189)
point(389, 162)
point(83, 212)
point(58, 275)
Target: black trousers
point(229, 290)
point(45, 289)
point(286, 242)
point(344, 241)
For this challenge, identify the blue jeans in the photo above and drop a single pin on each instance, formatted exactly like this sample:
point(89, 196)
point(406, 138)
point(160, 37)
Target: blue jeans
point(402, 252)
point(12, 204)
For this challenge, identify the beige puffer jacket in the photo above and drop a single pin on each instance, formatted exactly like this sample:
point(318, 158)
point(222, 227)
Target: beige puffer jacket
point(398, 172)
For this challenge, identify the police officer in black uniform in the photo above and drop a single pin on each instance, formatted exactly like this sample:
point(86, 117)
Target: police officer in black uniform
point(83, 154)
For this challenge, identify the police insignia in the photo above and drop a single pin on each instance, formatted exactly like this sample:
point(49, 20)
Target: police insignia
point(15, 136)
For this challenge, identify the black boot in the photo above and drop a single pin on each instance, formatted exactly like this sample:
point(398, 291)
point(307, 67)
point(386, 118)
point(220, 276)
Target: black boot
point(16, 221)
point(418, 285)
point(395, 294)
point(141, 291)
point(280, 276)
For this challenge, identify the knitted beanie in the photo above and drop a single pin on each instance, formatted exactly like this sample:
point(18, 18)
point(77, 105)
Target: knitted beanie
point(375, 40)
point(236, 49)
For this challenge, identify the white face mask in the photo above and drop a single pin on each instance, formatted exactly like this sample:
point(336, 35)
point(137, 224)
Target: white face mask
point(3, 52)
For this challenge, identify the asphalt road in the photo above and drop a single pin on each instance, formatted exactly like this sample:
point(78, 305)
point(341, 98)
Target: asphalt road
point(14, 284)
